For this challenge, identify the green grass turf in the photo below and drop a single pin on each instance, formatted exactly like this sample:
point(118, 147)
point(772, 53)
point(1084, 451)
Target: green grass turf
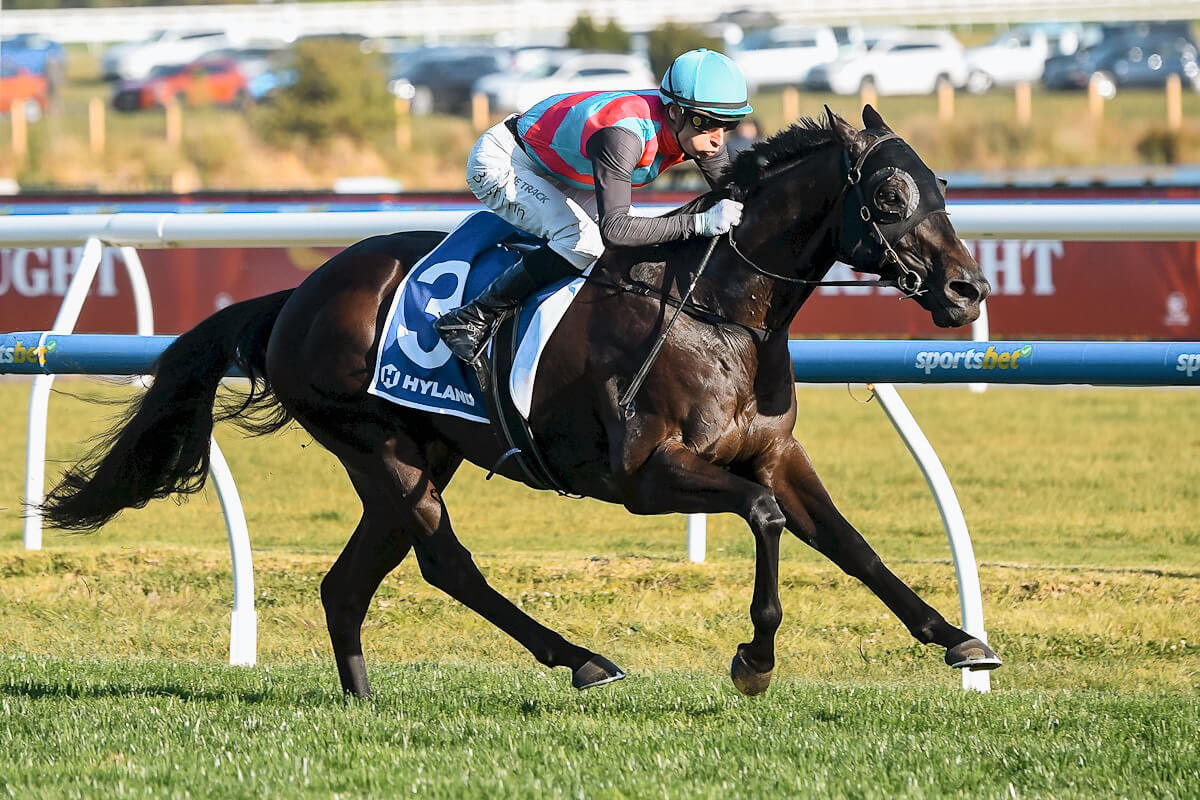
point(1082, 506)
point(99, 729)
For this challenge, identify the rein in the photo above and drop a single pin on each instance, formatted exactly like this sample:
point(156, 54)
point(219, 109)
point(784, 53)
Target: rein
point(626, 401)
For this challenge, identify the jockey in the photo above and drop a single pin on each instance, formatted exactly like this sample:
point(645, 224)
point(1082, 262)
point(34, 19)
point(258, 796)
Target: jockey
point(573, 159)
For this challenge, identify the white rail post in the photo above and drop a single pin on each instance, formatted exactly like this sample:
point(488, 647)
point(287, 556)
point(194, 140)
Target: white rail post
point(143, 306)
point(980, 332)
point(39, 394)
point(969, 597)
point(697, 528)
point(243, 622)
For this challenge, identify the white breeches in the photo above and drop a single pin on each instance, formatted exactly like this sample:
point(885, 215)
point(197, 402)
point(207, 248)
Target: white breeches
point(509, 183)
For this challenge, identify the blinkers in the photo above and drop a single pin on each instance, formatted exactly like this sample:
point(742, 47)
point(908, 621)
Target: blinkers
point(880, 210)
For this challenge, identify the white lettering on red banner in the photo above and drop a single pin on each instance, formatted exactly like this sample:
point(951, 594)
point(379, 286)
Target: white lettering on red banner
point(42, 271)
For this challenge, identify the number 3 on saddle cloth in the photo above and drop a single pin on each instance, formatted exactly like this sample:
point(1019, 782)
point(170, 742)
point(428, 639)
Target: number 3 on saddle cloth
point(416, 369)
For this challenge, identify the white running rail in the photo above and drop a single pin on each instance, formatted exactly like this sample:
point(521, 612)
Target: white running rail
point(1066, 221)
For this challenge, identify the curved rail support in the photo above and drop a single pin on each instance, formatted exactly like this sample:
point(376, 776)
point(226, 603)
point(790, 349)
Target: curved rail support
point(243, 633)
point(969, 597)
point(39, 394)
point(243, 623)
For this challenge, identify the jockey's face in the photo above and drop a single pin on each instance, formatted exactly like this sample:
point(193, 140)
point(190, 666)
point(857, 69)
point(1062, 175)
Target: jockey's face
point(700, 135)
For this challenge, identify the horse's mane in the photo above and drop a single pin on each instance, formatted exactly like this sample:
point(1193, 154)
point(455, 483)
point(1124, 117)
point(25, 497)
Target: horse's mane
point(790, 144)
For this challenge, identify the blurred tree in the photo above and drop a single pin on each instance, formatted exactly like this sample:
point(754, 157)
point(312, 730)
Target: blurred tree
point(669, 40)
point(585, 35)
point(339, 91)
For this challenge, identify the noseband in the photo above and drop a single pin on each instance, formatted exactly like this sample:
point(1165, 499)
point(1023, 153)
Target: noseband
point(909, 282)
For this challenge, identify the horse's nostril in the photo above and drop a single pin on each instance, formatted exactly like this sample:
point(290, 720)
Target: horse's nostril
point(967, 290)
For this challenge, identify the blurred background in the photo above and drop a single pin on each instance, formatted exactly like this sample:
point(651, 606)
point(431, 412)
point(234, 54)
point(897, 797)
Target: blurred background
point(264, 96)
point(375, 105)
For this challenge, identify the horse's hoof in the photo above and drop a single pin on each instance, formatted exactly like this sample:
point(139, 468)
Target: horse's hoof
point(596, 672)
point(972, 654)
point(748, 681)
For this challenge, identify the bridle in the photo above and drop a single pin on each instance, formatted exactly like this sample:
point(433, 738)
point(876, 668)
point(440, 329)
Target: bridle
point(907, 280)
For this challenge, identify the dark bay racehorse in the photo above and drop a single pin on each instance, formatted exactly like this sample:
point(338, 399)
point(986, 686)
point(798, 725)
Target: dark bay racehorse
point(710, 431)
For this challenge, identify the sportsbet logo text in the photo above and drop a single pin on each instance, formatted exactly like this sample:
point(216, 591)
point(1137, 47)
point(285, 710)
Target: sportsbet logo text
point(1188, 363)
point(20, 354)
point(930, 360)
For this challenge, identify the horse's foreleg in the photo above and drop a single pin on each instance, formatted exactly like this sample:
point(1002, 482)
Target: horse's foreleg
point(812, 517)
point(676, 479)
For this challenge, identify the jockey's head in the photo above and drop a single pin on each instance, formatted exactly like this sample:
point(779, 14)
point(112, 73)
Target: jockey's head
point(706, 97)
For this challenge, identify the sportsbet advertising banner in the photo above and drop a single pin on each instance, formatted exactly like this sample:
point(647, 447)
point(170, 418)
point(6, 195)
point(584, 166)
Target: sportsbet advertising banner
point(1040, 289)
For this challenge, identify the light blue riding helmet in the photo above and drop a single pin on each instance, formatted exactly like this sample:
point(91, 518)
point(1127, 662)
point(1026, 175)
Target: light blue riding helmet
point(707, 81)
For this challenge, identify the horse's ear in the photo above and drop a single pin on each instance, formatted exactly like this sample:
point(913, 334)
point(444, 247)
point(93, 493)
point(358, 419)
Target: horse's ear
point(844, 131)
point(872, 120)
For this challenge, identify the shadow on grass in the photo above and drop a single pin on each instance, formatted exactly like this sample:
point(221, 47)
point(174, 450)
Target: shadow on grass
point(41, 690)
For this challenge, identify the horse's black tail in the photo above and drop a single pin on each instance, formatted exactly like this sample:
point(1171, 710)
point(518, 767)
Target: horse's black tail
point(161, 444)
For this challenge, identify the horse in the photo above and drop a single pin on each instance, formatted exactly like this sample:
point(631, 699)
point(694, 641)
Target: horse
point(710, 431)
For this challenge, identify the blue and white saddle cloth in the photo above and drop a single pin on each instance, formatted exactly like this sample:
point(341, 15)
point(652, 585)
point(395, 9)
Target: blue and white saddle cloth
point(415, 368)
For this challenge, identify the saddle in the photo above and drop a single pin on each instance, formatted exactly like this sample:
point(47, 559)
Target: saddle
point(415, 369)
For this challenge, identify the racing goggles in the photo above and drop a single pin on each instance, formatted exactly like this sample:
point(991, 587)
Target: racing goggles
point(704, 123)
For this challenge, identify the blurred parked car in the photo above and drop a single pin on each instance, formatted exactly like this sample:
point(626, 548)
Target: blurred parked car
point(1012, 57)
point(1141, 56)
point(903, 62)
point(135, 60)
point(783, 56)
point(39, 55)
point(571, 71)
point(750, 20)
point(252, 61)
point(263, 87)
point(20, 86)
point(441, 79)
point(204, 82)
point(1020, 54)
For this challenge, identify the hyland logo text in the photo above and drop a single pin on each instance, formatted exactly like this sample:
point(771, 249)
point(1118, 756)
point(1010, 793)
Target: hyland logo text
point(20, 354)
point(389, 376)
point(929, 360)
point(1188, 363)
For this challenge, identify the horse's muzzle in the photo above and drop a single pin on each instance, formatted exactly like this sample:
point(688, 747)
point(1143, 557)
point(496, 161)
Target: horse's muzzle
point(959, 302)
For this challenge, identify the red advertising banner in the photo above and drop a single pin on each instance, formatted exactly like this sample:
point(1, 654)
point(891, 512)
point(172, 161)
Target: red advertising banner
point(1040, 289)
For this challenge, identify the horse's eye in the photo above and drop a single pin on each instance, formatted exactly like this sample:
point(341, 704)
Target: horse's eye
point(890, 197)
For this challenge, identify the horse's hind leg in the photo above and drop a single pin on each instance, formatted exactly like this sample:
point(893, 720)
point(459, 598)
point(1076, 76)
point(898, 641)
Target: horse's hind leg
point(446, 564)
point(376, 548)
point(403, 508)
point(812, 516)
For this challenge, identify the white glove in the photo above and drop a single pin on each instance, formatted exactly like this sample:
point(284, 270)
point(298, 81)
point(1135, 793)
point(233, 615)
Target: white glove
point(719, 219)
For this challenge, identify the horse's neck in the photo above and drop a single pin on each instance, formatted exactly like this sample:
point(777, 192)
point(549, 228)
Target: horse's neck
point(789, 221)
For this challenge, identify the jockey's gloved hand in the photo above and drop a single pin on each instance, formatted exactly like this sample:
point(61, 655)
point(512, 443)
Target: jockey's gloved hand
point(719, 219)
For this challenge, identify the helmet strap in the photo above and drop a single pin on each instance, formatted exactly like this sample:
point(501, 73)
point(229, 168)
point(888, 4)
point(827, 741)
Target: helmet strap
point(676, 116)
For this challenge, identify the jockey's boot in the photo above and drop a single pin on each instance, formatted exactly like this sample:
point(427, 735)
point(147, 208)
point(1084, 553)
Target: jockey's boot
point(466, 330)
